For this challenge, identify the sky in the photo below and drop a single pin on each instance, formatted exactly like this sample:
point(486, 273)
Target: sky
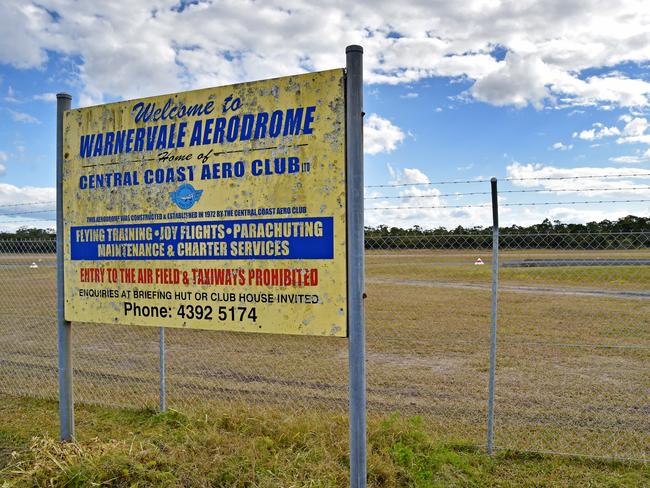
point(534, 93)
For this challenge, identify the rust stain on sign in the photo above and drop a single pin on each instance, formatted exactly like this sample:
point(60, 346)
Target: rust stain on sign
point(221, 208)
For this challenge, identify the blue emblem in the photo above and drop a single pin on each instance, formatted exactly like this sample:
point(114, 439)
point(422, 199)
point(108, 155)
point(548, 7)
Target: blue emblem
point(185, 196)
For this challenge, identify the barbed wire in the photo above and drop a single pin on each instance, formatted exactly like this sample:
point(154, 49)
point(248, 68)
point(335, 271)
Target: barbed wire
point(578, 177)
point(588, 202)
point(30, 221)
point(532, 178)
point(457, 182)
point(452, 182)
point(51, 202)
point(409, 207)
point(487, 205)
point(462, 194)
point(28, 212)
point(455, 194)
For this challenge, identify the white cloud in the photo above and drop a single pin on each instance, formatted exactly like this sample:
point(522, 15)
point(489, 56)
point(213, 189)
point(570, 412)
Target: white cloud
point(597, 132)
point(565, 181)
point(135, 48)
point(558, 146)
point(568, 214)
point(23, 117)
point(46, 97)
point(642, 139)
point(421, 204)
point(465, 168)
point(4, 157)
point(523, 79)
point(636, 159)
point(407, 176)
point(409, 95)
point(380, 135)
point(20, 43)
point(433, 214)
point(518, 81)
point(587, 135)
point(11, 194)
point(13, 223)
point(427, 207)
point(39, 199)
point(635, 127)
point(413, 176)
point(607, 91)
point(11, 96)
point(634, 131)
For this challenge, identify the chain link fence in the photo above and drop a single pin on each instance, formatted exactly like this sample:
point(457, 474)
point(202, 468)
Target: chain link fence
point(573, 353)
point(574, 344)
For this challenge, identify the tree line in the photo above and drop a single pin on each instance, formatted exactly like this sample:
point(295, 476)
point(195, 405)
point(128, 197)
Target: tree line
point(629, 232)
point(28, 240)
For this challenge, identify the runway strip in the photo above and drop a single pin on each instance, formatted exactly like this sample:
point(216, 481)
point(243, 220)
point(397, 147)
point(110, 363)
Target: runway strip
point(552, 263)
point(536, 290)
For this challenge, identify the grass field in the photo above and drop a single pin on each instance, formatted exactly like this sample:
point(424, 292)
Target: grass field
point(256, 446)
point(573, 360)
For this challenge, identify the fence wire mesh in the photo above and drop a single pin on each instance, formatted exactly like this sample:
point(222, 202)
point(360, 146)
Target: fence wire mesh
point(573, 350)
point(574, 344)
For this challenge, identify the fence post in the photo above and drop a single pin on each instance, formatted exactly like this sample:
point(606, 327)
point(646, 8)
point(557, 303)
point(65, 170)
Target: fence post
point(161, 367)
point(355, 227)
point(64, 328)
point(493, 327)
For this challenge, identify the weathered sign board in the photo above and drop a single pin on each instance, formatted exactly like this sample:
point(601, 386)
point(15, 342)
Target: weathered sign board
point(222, 208)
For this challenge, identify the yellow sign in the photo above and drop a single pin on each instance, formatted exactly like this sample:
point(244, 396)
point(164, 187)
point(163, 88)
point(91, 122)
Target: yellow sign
point(221, 208)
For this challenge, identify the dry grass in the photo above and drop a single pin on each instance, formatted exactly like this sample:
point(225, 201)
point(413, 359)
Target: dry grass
point(253, 446)
point(458, 266)
point(572, 370)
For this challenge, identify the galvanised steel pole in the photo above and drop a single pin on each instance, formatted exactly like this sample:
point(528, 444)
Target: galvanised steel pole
point(493, 327)
point(161, 352)
point(355, 243)
point(66, 402)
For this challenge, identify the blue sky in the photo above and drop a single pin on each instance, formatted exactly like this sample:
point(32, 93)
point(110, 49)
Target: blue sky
point(550, 89)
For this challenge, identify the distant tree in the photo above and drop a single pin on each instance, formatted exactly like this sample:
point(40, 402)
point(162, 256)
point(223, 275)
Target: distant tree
point(592, 235)
point(28, 240)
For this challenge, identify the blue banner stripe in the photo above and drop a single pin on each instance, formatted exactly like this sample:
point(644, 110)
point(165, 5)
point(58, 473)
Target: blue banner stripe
point(291, 238)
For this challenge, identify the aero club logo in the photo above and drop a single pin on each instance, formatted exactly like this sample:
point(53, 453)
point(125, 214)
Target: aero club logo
point(185, 196)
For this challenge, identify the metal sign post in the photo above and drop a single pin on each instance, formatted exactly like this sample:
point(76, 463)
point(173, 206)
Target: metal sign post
point(356, 325)
point(161, 370)
point(493, 327)
point(66, 403)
